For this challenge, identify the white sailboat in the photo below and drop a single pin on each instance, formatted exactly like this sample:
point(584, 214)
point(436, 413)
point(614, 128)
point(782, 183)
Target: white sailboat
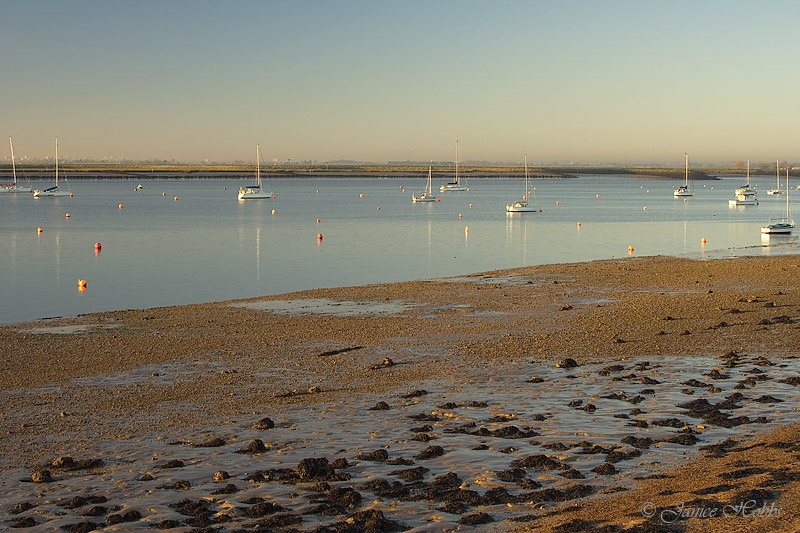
point(54, 190)
point(427, 194)
point(684, 189)
point(781, 226)
point(13, 187)
point(522, 206)
point(454, 185)
point(254, 192)
point(777, 189)
point(745, 195)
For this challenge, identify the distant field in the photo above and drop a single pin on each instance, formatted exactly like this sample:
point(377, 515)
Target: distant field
point(98, 171)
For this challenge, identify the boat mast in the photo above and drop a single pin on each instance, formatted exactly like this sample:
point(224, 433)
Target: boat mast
point(525, 156)
point(13, 166)
point(686, 178)
point(457, 182)
point(56, 161)
point(258, 165)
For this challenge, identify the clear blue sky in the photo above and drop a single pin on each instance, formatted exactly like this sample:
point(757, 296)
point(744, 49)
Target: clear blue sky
point(593, 80)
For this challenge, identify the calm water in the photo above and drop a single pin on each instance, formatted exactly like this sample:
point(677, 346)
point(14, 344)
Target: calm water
point(207, 246)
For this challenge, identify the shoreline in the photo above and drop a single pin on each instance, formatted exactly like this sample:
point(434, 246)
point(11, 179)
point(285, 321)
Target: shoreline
point(179, 373)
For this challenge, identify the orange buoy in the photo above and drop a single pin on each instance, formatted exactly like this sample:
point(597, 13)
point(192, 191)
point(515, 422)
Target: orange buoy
point(579, 224)
point(120, 206)
point(630, 249)
point(176, 198)
point(361, 195)
point(274, 196)
point(318, 221)
point(438, 199)
point(81, 283)
point(71, 195)
point(703, 241)
point(558, 203)
point(466, 229)
point(67, 215)
point(97, 246)
point(319, 236)
point(597, 196)
point(470, 205)
point(644, 208)
point(273, 211)
point(460, 215)
point(39, 229)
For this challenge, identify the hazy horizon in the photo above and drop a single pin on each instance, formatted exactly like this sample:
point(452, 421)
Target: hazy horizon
point(574, 81)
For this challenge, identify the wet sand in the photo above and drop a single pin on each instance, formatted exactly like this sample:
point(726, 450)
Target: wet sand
point(642, 394)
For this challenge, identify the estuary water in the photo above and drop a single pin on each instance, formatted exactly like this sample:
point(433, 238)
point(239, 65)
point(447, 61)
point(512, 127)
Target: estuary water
point(180, 241)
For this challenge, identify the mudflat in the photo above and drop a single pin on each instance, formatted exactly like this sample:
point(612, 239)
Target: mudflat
point(639, 394)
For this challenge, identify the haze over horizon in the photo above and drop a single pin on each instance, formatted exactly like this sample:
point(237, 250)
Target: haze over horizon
point(394, 81)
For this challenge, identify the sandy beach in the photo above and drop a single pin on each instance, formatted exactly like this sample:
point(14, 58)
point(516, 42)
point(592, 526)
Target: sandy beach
point(637, 394)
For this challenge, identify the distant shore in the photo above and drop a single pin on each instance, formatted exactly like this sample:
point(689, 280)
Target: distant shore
point(145, 172)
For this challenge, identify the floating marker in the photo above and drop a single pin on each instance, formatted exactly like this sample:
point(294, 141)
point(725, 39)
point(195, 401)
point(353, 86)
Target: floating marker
point(630, 249)
point(470, 205)
point(71, 195)
point(82, 283)
point(67, 215)
point(121, 206)
point(318, 221)
point(597, 196)
point(163, 194)
point(176, 198)
point(39, 230)
point(703, 241)
point(558, 203)
point(644, 208)
point(460, 215)
point(438, 199)
point(466, 229)
point(274, 196)
point(361, 195)
point(579, 224)
point(319, 236)
point(97, 246)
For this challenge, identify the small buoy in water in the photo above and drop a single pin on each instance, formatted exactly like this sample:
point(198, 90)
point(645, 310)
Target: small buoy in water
point(460, 215)
point(97, 246)
point(630, 249)
point(163, 194)
point(67, 215)
point(319, 236)
point(703, 241)
point(644, 208)
point(225, 189)
point(81, 283)
point(466, 229)
point(274, 196)
point(558, 203)
point(176, 198)
point(438, 199)
point(579, 224)
point(39, 230)
point(597, 196)
point(318, 221)
point(273, 211)
point(317, 191)
point(470, 205)
point(378, 208)
point(120, 206)
point(361, 195)
point(648, 190)
point(71, 195)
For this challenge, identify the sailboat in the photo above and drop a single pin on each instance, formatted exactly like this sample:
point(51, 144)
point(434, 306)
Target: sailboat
point(454, 185)
point(13, 187)
point(777, 189)
point(684, 189)
point(54, 190)
point(745, 195)
point(781, 226)
point(427, 194)
point(254, 192)
point(521, 206)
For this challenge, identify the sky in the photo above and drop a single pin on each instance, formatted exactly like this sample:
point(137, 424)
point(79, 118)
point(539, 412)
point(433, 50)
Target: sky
point(375, 80)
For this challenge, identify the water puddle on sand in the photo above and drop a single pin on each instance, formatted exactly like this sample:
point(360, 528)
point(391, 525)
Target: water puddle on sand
point(322, 306)
point(509, 440)
point(67, 330)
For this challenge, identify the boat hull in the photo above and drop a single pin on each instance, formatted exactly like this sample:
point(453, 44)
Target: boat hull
point(519, 208)
point(423, 198)
point(449, 188)
point(254, 195)
point(38, 194)
point(17, 188)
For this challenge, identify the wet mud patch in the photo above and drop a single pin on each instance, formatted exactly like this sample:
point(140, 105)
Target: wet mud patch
point(323, 306)
point(489, 447)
